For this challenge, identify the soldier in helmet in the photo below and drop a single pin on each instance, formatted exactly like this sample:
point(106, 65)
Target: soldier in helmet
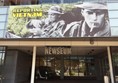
point(94, 24)
point(50, 27)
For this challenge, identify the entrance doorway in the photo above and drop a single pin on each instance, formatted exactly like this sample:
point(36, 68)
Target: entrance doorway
point(79, 66)
point(84, 63)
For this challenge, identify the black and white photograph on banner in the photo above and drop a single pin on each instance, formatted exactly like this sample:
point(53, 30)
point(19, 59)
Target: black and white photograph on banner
point(49, 27)
point(88, 19)
point(95, 21)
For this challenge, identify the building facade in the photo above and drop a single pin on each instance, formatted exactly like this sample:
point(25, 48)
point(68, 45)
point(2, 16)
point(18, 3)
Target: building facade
point(70, 57)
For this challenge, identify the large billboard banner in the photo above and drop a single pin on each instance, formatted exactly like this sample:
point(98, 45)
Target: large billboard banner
point(86, 19)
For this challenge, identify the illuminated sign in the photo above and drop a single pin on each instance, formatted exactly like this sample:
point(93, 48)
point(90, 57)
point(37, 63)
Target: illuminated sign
point(58, 50)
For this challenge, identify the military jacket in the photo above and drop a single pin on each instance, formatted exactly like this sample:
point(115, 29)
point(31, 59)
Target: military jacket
point(46, 29)
point(80, 29)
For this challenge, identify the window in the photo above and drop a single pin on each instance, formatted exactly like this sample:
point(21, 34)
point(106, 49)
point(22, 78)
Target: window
point(2, 58)
point(3, 17)
point(3, 10)
point(2, 33)
point(2, 25)
point(115, 62)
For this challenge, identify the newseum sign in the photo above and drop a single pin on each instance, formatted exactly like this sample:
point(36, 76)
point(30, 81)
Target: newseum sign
point(58, 50)
point(58, 21)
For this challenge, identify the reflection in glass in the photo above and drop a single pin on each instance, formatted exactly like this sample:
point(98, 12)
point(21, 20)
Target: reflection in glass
point(79, 66)
point(115, 62)
point(2, 58)
point(76, 66)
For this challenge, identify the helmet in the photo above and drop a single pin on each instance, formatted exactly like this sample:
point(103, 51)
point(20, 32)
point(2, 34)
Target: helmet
point(55, 9)
point(92, 5)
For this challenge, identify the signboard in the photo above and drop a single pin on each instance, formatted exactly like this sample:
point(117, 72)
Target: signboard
point(58, 50)
point(58, 21)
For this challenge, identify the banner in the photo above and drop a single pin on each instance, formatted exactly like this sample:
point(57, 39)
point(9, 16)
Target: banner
point(58, 20)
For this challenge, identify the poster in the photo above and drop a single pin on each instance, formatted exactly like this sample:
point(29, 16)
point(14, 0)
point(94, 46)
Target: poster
point(65, 20)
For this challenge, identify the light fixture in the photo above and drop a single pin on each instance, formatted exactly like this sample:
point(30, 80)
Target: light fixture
point(91, 41)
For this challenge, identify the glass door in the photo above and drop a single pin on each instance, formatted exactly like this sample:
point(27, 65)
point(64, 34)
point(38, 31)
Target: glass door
point(53, 62)
point(71, 66)
point(2, 58)
point(115, 62)
point(77, 66)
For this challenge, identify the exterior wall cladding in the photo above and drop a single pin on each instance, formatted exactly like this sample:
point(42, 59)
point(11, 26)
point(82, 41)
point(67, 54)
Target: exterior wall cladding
point(58, 1)
point(72, 1)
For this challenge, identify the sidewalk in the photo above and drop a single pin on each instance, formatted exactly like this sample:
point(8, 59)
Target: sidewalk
point(68, 81)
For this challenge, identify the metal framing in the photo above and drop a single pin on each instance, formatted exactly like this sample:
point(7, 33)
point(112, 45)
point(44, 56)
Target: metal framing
point(65, 43)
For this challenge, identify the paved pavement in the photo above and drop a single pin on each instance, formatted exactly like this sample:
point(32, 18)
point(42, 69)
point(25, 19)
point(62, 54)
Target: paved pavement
point(68, 81)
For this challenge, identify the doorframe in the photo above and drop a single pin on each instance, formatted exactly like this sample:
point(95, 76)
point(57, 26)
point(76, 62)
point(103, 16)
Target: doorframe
point(109, 60)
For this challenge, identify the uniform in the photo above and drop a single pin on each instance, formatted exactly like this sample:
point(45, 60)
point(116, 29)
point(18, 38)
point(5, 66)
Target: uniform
point(52, 26)
point(79, 29)
point(94, 23)
point(46, 28)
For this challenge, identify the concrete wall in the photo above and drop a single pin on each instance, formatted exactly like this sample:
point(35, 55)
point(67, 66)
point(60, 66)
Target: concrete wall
point(17, 67)
point(10, 66)
point(23, 68)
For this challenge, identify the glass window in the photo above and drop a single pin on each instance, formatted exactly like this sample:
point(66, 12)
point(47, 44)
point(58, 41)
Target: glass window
point(2, 54)
point(112, 6)
point(113, 14)
point(115, 62)
point(3, 17)
point(2, 58)
point(1, 33)
point(2, 25)
point(3, 10)
point(2, 49)
point(79, 66)
point(114, 31)
point(113, 22)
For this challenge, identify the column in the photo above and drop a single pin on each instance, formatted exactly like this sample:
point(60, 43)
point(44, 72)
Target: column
point(33, 65)
point(110, 65)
